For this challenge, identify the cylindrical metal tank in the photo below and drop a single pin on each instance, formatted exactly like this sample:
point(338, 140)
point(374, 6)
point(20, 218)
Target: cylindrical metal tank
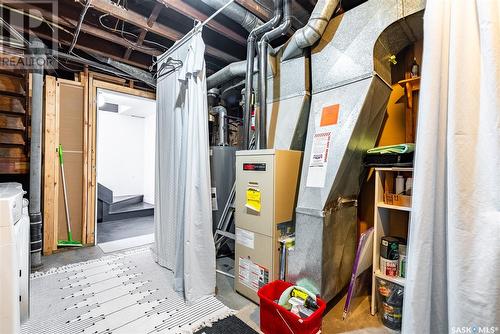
point(222, 162)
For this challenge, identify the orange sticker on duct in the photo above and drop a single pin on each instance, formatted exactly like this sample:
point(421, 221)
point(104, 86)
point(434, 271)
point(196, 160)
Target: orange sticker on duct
point(330, 115)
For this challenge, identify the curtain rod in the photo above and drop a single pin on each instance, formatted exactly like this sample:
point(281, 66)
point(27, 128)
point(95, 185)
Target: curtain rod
point(188, 36)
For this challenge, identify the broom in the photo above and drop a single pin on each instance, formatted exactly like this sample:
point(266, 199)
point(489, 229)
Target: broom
point(70, 242)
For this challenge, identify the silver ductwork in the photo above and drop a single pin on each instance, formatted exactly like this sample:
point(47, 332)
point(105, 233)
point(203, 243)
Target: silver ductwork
point(237, 13)
point(288, 101)
point(222, 128)
point(351, 74)
point(312, 31)
point(230, 72)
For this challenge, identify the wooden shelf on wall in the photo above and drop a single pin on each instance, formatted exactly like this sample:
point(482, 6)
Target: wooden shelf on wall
point(14, 122)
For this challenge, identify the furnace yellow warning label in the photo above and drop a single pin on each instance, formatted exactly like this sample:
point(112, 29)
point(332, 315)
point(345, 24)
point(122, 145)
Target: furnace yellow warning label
point(253, 199)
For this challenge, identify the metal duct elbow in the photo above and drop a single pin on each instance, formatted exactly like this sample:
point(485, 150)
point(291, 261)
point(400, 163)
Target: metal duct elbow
point(231, 71)
point(313, 30)
point(237, 13)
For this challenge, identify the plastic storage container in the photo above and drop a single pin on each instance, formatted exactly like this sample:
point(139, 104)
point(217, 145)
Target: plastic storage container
point(275, 319)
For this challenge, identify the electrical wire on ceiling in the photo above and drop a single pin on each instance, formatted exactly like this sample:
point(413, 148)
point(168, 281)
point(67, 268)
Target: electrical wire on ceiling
point(79, 25)
point(123, 32)
point(67, 68)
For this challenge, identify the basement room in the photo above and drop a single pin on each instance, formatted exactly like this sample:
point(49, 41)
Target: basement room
point(249, 166)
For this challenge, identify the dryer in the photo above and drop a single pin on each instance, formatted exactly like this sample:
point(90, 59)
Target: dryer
point(14, 257)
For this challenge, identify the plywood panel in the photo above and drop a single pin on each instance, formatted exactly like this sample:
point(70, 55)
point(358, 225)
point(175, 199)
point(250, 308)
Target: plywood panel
point(71, 137)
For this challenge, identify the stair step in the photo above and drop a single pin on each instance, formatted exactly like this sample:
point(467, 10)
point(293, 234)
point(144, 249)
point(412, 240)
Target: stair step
point(130, 211)
point(104, 194)
point(120, 202)
point(133, 207)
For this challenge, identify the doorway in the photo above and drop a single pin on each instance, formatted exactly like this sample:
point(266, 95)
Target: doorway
point(125, 169)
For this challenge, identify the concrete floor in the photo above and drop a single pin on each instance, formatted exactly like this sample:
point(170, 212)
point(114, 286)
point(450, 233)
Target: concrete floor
point(360, 321)
point(125, 228)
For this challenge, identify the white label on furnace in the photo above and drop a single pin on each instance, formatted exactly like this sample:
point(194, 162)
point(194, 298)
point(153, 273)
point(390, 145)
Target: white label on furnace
point(245, 238)
point(251, 274)
point(319, 160)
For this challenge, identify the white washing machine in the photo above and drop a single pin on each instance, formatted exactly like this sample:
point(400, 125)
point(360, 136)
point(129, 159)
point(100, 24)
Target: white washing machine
point(14, 258)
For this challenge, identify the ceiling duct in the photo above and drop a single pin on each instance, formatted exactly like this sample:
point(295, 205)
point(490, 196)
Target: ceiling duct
point(237, 13)
point(312, 31)
point(230, 72)
point(350, 73)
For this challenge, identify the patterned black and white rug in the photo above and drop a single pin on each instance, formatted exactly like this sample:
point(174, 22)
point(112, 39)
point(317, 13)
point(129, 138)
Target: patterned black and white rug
point(120, 293)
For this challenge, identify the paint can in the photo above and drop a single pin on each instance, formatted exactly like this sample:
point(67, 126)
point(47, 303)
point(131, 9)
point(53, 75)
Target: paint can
point(389, 267)
point(389, 248)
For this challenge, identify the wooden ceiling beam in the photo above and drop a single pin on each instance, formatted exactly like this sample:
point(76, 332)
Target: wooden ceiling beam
point(258, 10)
point(187, 10)
point(140, 21)
point(86, 49)
point(152, 18)
point(85, 28)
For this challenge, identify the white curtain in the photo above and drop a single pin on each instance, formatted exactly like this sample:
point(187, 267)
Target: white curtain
point(454, 244)
point(183, 213)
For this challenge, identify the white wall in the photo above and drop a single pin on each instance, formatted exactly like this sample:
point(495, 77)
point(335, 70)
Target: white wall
point(120, 145)
point(126, 145)
point(149, 158)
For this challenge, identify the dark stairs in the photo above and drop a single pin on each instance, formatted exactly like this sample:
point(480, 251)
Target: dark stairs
point(111, 207)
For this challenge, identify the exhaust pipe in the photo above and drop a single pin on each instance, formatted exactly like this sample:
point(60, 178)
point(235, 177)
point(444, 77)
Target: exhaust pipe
point(36, 158)
point(251, 41)
point(312, 31)
point(263, 46)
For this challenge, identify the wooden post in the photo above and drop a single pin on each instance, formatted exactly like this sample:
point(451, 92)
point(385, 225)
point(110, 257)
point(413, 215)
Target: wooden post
point(85, 221)
point(51, 176)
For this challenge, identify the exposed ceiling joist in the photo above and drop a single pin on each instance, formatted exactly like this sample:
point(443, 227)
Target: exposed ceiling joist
point(152, 18)
point(86, 49)
point(262, 12)
point(85, 28)
point(140, 21)
point(186, 9)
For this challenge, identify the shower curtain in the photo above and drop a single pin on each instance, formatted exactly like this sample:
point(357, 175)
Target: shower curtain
point(183, 213)
point(453, 281)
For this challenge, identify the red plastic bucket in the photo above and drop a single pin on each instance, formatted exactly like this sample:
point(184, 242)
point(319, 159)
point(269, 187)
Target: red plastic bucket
point(275, 319)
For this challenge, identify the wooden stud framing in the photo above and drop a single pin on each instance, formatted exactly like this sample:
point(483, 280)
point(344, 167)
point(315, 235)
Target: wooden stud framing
point(51, 184)
point(50, 177)
point(84, 80)
point(93, 85)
